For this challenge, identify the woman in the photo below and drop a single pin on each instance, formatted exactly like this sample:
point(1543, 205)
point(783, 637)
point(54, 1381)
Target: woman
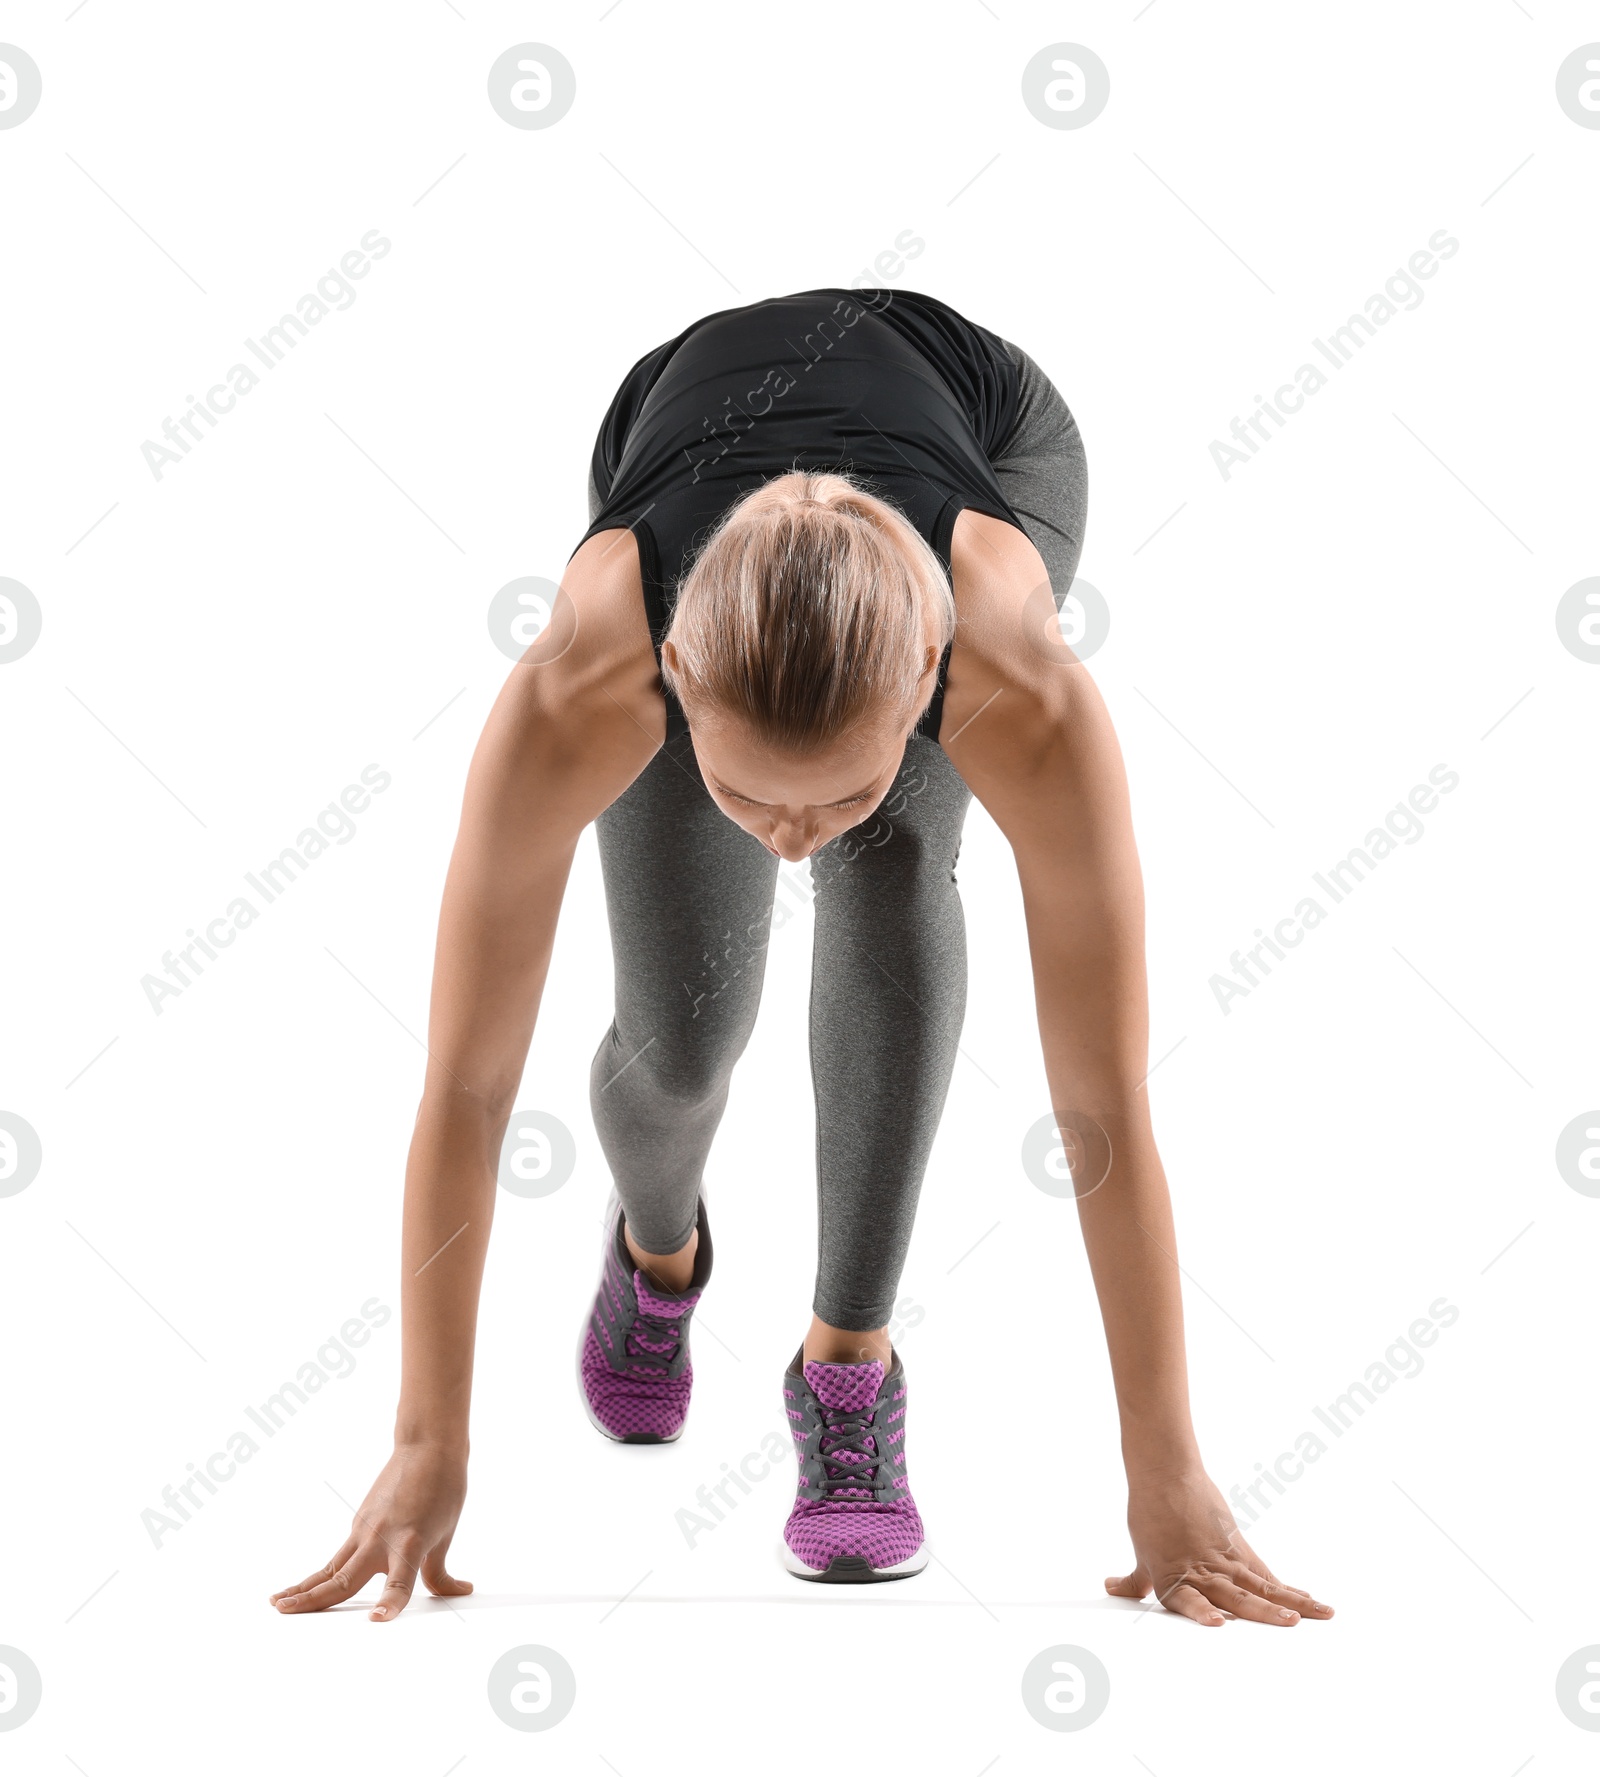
point(758, 656)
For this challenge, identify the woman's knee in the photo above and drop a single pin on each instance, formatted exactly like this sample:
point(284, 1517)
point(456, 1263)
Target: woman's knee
point(668, 1072)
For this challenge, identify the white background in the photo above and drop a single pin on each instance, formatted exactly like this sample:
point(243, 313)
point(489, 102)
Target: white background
point(226, 648)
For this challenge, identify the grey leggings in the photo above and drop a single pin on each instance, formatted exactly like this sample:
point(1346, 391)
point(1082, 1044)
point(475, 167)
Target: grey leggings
point(690, 897)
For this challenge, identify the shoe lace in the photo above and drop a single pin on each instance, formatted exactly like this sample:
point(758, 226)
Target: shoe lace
point(848, 1452)
point(651, 1343)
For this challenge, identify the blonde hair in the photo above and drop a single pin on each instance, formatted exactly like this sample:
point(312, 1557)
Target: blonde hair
point(808, 611)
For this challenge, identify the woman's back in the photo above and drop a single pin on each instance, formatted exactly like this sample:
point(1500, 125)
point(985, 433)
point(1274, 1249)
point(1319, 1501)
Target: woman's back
point(894, 387)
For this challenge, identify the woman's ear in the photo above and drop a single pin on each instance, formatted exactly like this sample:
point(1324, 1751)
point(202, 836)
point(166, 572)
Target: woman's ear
point(669, 654)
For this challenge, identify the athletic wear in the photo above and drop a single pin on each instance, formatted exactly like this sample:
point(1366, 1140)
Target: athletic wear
point(633, 1360)
point(854, 1519)
point(690, 895)
point(909, 396)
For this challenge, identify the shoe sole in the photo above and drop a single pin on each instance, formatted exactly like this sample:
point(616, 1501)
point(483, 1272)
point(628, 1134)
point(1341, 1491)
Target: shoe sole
point(853, 1570)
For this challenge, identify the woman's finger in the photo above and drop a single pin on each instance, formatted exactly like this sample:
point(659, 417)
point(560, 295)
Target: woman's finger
point(1279, 1593)
point(441, 1583)
point(1250, 1605)
point(1133, 1585)
point(400, 1579)
point(341, 1585)
point(1185, 1601)
point(346, 1549)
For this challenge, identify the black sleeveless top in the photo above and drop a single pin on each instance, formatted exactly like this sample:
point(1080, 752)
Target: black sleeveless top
point(895, 387)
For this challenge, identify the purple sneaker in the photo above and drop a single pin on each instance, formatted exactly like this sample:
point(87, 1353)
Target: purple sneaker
point(633, 1362)
point(854, 1520)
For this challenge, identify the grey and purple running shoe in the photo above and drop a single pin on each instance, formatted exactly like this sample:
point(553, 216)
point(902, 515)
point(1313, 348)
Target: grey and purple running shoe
point(854, 1520)
point(633, 1360)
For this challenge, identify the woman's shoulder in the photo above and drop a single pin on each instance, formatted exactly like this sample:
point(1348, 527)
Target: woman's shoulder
point(594, 659)
point(999, 579)
point(1008, 633)
point(578, 718)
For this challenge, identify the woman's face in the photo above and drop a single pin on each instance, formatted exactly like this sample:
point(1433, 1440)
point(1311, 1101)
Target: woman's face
point(795, 805)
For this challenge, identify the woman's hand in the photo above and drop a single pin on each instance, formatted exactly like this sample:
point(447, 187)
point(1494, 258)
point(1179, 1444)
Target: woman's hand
point(404, 1527)
point(1190, 1553)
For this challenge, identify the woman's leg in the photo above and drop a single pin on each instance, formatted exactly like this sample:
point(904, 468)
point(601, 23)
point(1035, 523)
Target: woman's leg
point(888, 994)
point(689, 899)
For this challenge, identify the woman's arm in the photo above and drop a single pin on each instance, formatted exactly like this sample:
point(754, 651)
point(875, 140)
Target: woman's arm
point(578, 719)
point(1026, 727)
